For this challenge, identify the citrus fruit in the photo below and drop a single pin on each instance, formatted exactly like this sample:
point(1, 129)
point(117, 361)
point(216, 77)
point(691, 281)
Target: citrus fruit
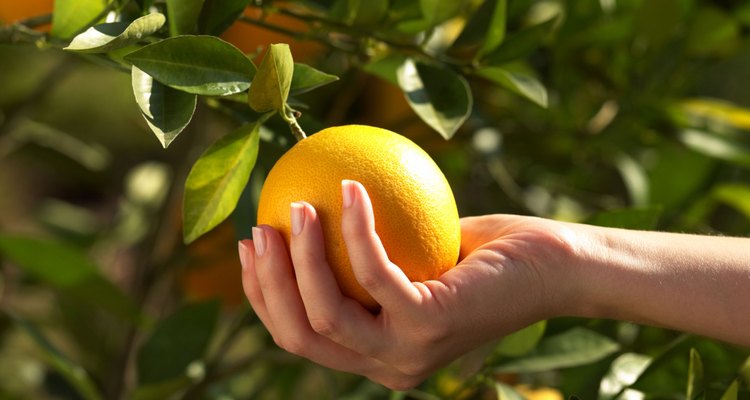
point(15, 11)
point(415, 212)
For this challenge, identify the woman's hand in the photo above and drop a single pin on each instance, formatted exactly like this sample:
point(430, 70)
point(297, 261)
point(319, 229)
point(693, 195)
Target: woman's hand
point(502, 283)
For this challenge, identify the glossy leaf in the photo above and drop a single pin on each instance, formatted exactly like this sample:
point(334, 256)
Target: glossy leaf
point(108, 37)
point(523, 341)
point(695, 375)
point(307, 78)
point(67, 269)
point(437, 11)
point(73, 16)
point(217, 179)
point(521, 84)
point(73, 373)
point(496, 28)
point(271, 85)
point(441, 97)
point(183, 16)
point(645, 218)
point(575, 347)
point(176, 342)
point(218, 15)
point(520, 44)
point(166, 110)
point(204, 65)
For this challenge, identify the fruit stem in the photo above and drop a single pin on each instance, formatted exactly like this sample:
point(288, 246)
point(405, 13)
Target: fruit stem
point(289, 116)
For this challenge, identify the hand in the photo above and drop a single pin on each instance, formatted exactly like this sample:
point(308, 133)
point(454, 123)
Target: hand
point(499, 286)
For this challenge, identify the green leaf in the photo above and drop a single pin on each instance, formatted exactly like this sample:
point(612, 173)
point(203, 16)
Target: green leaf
point(271, 85)
point(167, 111)
point(386, 68)
point(519, 83)
point(695, 375)
point(734, 195)
point(108, 37)
point(204, 65)
point(624, 370)
point(496, 29)
point(162, 390)
point(73, 373)
point(441, 97)
point(183, 16)
point(575, 347)
point(437, 11)
point(520, 44)
point(732, 391)
point(505, 392)
point(73, 16)
point(177, 341)
point(218, 15)
point(635, 178)
point(217, 179)
point(307, 78)
point(644, 218)
point(69, 270)
point(523, 341)
point(360, 13)
point(719, 146)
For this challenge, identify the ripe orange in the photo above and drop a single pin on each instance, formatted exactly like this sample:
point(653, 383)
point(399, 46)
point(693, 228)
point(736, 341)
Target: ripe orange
point(415, 212)
point(14, 11)
point(249, 38)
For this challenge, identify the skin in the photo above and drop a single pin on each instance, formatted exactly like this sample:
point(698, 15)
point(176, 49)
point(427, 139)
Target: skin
point(513, 271)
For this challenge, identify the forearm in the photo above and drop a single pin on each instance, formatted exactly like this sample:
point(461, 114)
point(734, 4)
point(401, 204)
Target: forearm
point(698, 284)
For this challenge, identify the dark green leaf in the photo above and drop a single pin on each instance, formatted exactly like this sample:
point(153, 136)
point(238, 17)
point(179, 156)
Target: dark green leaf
point(441, 97)
point(575, 347)
point(630, 218)
point(217, 179)
point(73, 16)
point(523, 341)
point(167, 111)
point(177, 341)
point(108, 37)
point(496, 29)
point(695, 375)
point(73, 373)
point(67, 269)
point(183, 16)
point(437, 11)
point(360, 13)
point(714, 33)
point(271, 85)
point(204, 65)
point(307, 78)
point(520, 44)
point(519, 83)
point(218, 15)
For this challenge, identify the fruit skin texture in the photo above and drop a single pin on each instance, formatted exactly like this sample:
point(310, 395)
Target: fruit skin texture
point(415, 212)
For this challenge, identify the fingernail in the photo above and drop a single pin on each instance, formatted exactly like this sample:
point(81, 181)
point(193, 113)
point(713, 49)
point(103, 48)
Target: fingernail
point(259, 239)
point(243, 250)
point(298, 218)
point(347, 192)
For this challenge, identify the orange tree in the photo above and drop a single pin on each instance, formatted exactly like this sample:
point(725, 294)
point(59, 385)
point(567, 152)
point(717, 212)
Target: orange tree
point(117, 255)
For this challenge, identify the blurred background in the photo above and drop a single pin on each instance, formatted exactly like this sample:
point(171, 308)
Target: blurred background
point(646, 125)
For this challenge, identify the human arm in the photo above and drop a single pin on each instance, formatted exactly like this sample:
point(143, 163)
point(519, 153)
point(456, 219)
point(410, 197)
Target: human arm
point(514, 271)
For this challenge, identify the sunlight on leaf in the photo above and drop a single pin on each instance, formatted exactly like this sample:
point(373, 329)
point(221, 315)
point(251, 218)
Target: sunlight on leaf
point(112, 36)
point(270, 88)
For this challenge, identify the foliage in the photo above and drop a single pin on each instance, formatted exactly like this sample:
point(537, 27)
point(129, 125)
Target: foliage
point(628, 113)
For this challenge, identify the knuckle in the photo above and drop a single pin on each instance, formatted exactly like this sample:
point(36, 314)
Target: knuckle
point(324, 325)
point(293, 345)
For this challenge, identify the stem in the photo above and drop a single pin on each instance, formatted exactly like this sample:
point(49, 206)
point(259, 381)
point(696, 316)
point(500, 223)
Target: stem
point(289, 116)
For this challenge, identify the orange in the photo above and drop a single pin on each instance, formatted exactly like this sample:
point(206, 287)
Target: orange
point(12, 11)
point(415, 212)
point(250, 38)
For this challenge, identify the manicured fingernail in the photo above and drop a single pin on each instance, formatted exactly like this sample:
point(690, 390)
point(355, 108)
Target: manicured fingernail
point(347, 192)
point(243, 250)
point(259, 239)
point(298, 218)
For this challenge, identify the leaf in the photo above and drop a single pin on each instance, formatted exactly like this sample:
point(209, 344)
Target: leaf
point(162, 390)
point(635, 178)
point(217, 179)
point(624, 370)
point(695, 375)
point(176, 342)
point(271, 85)
point(307, 78)
point(441, 97)
point(204, 65)
point(360, 13)
point(72, 16)
point(643, 218)
point(520, 44)
point(519, 83)
point(575, 347)
point(183, 16)
point(73, 373)
point(386, 68)
point(734, 195)
point(437, 11)
point(496, 29)
point(505, 392)
point(167, 111)
point(69, 270)
point(218, 15)
point(523, 341)
point(112, 36)
point(732, 391)
point(718, 146)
